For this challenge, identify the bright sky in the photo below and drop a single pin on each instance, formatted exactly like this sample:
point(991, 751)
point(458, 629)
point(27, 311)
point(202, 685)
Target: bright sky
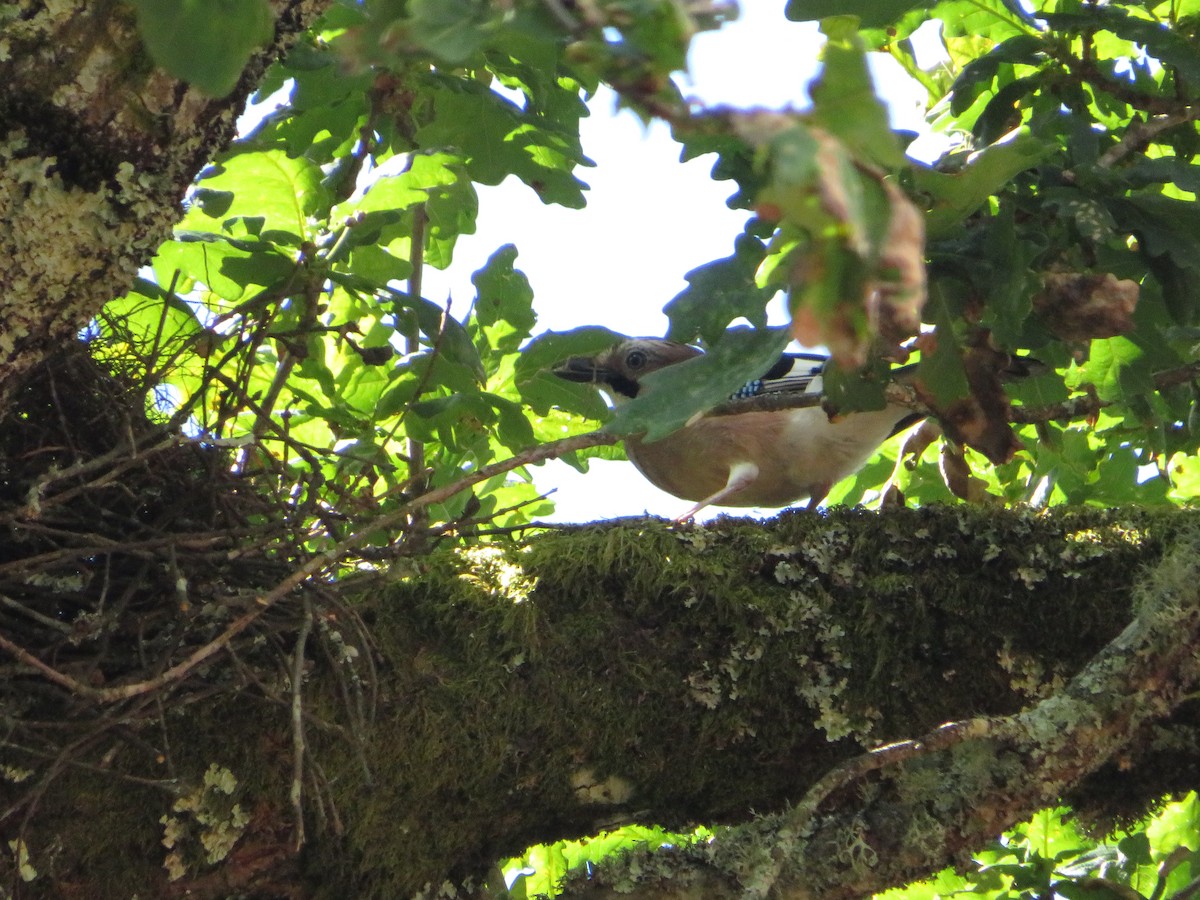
point(649, 220)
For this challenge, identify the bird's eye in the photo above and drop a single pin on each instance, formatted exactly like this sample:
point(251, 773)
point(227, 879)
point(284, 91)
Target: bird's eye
point(635, 359)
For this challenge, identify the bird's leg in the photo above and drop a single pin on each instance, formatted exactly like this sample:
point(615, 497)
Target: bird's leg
point(818, 495)
point(740, 475)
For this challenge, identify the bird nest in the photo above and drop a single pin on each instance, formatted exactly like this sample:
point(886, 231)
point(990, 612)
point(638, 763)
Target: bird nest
point(131, 558)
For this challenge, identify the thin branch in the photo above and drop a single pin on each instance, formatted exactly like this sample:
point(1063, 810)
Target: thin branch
point(49, 672)
point(413, 448)
point(1139, 134)
point(533, 455)
point(297, 790)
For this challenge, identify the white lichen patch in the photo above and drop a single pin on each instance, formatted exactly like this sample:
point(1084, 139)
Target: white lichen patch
point(857, 853)
point(41, 216)
point(1031, 575)
point(490, 569)
point(15, 774)
point(1057, 716)
point(205, 824)
point(831, 555)
point(825, 694)
point(1027, 674)
point(65, 583)
point(1081, 547)
point(699, 538)
point(590, 790)
point(91, 73)
point(705, 688)
point(20, 851)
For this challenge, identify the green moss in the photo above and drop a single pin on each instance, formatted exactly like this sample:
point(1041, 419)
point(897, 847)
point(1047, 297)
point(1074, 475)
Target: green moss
point(643, 655)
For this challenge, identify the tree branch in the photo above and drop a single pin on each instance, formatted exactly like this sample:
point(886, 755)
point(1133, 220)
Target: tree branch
point(908, 809)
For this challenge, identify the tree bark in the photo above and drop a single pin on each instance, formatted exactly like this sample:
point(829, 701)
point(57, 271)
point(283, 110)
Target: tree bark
point(97, 147)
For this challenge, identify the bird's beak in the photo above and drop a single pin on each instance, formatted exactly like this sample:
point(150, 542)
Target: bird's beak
point(582, 369)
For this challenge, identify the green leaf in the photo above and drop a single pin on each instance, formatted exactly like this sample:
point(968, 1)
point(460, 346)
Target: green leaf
point(736, 161)
point(328, 105)
point(950, 198)
point(1136, 849)
point(543, 391)
point(1161, 42)
point(1003, 109)
point(226, 266)
point(845, 103)
point(1165, 226)
point(504, 300)
point(1116, 368)
point(204, 42)
point(402, 389)
point(1010, 286)
point(453, 30)
point(870, 13)
point(514, 428)
point(452, 340)
point(375, 264)
point(281, 190)
point(853, 391)
point(941, 369)
point(498, 139)
point(461, 421)
point(719, 292)
point(391, 194)
point(1118, 482)
point(1029, 49)
point(675, 394)
point(1143, 172)
point(151, 318)
point(1039, 390)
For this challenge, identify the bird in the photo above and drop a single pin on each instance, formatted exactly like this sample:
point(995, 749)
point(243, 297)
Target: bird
point(756, 458)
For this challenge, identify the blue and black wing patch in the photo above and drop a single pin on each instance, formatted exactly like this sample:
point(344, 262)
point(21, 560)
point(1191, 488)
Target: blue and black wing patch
point(798, 373)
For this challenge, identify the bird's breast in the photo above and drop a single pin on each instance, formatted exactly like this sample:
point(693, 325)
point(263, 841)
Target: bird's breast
point(797, 453)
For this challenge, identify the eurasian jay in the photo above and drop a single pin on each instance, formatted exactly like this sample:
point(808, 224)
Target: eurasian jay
point(746, 459)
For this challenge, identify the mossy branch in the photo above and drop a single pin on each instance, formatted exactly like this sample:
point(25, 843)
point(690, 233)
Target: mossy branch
point(905, 810)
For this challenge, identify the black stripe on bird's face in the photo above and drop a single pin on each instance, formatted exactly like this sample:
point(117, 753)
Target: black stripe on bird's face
point(620, 367)
point(626, 387)
point(586, 370)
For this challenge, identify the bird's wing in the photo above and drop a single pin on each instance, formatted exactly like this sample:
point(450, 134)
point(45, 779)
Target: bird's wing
point(798, 373)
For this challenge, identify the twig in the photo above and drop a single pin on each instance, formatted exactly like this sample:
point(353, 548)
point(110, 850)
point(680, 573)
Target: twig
point(23, 610)
point(289, 358)
point(537, 454)
point(889, 755)
point(50, 673)
point(106, 545)
point(1139, 134)
point(297, 791)
point(559, 11)
point(415, 449)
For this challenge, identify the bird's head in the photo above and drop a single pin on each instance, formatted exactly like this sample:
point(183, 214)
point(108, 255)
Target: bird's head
point(621, 368)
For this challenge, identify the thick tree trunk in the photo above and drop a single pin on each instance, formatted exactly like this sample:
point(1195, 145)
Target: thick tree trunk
point(97, 147)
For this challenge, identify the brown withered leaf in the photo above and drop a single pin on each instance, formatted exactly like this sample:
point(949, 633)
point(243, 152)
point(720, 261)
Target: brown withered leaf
point(957, 474)
point(894, 304)
point(916, 442)
point(980, 419)
point(855, 243)
point(1079, 306)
